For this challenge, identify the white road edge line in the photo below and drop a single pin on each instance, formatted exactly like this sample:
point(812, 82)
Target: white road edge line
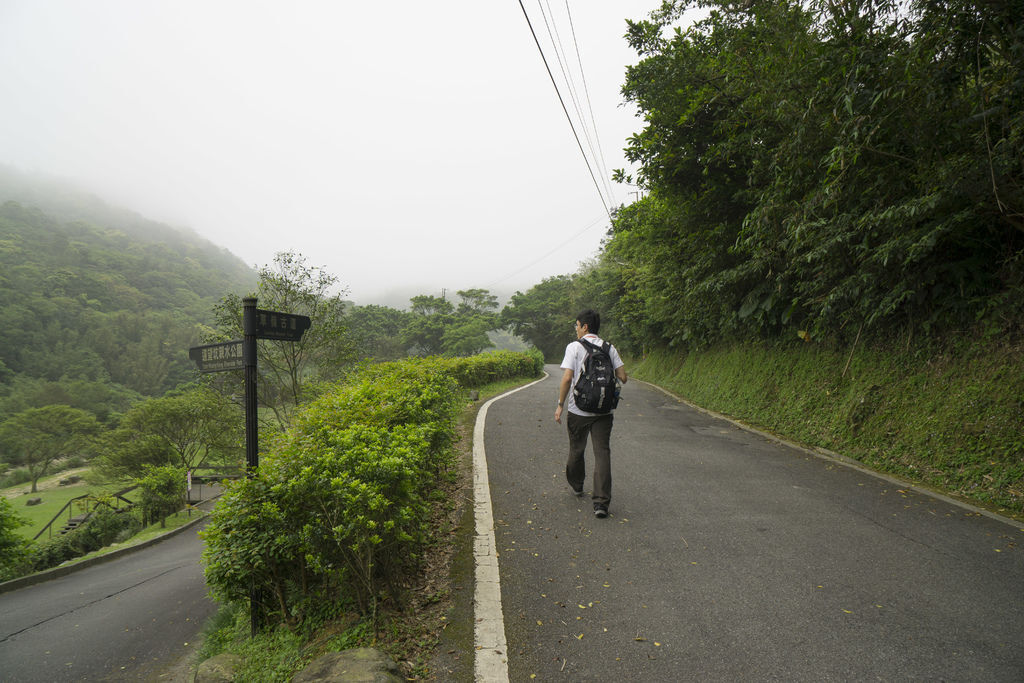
point(491, 651)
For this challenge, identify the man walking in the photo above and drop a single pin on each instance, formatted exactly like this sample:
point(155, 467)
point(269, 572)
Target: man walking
point(581, 424)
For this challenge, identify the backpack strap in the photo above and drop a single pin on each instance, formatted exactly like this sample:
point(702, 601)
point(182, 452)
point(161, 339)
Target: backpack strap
point(591, 347)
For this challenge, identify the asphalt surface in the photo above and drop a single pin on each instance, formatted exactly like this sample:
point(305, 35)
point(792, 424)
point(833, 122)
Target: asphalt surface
point(130, 618)
point(729, 556)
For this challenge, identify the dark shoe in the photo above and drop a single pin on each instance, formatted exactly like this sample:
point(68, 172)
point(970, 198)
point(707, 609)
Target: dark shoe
point(600, 511)
point(576, 492)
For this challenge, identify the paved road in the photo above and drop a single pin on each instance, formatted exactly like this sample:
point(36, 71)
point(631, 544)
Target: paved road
point(730, 557)
point(125, 619)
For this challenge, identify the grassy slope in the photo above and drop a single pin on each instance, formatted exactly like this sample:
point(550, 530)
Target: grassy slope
point(54, 497)
point(951, 418)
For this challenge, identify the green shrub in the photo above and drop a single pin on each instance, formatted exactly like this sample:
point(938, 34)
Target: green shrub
point(104, 526)
point(162, 492)
point(54, 551)
point(14, 549)
point(15, 477)
point(338, 511)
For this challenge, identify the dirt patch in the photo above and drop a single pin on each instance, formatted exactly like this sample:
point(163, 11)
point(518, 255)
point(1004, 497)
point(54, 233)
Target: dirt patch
point(436, 628)
point(45, 484)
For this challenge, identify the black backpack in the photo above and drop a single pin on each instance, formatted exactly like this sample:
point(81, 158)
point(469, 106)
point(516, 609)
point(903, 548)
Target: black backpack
point(595, 390)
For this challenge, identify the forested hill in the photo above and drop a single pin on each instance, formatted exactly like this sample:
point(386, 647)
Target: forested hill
point(98, 299)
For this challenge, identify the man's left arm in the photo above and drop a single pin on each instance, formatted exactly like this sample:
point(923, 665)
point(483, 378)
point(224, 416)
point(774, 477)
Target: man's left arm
point(620, 367)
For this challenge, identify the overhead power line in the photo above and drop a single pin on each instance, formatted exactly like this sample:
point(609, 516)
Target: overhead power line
point(590, 226)
point(564, 65)
point(566, 110)
point(586, 91)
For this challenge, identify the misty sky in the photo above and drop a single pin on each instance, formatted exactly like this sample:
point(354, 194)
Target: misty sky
point(407, 146)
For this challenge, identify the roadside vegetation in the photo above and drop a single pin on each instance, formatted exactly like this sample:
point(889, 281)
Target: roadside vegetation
point(827, 243)
point(345, 533)
point(948, 417)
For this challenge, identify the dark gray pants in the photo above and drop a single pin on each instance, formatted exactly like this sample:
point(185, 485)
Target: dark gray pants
point(599, 429)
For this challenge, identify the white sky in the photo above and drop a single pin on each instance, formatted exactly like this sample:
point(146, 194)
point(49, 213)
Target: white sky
point(405, 146)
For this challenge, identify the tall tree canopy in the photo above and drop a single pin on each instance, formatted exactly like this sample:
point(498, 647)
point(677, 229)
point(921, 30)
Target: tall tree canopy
point(291, 285)
point(38, 437)
point(823, 168)
point(188, 429)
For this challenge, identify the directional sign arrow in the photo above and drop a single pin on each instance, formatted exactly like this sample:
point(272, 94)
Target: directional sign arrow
point(218, 357)
point(280, 326)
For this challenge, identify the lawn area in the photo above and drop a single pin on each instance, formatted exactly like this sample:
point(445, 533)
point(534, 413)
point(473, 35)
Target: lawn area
point(54, 497)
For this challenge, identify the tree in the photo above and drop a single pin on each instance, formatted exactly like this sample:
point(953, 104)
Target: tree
point(430, 317)
point(326, 348)
point(377, 331)
point(37, 437)
point(477, 302)
point(467, 338)
point(189, 430)
point(822, 169)
point(162, 493)
point(544, 315)
point(435, 326)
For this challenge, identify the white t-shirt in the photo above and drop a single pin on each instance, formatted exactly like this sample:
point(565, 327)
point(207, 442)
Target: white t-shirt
point(575, 354)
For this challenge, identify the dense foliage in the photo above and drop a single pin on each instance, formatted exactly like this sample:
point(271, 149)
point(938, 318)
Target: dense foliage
point(105, 525)
point(819, 169)
point(190, 428)
point(161, 493)
point(337, 512)
point(100, 308)
point(14, 548)
point(85, 302)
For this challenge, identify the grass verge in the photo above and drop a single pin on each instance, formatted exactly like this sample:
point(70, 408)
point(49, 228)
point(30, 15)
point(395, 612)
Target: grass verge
point(948, 416)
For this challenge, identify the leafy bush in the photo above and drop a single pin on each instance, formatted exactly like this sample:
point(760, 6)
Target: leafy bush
point(13, 547)
point(19, 475)
point(162, 492)
point(338, 510)
point(54, 551)
point(104, 526)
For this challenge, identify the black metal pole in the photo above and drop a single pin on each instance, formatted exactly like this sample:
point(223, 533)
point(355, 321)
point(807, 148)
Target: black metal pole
point(252, 456)
point(252, 439)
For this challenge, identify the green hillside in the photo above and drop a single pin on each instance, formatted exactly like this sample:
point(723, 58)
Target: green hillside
point(98, 300)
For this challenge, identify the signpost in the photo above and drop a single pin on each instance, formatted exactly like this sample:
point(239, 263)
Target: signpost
point(218, 357)
point(241, 355)
point(280, 326)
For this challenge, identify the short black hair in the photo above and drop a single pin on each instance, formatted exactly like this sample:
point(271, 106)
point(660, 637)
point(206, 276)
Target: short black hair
point(591, 319)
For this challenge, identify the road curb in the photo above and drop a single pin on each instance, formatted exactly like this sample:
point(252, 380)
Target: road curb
point(64, 570)
point(844, 460)
point(491, 647)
